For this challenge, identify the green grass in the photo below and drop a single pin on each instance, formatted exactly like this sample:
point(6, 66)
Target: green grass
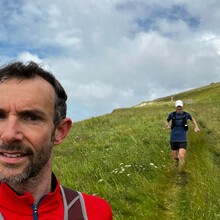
point(125, 158)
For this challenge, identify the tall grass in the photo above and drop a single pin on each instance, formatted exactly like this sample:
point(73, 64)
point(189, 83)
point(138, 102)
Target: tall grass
point(125, 158)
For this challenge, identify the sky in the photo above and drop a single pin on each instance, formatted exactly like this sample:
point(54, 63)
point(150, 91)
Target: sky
point(111, 54)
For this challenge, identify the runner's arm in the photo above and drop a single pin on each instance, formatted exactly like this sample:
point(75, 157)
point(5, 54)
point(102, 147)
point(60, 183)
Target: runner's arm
point(196, 128)
point(168, 126)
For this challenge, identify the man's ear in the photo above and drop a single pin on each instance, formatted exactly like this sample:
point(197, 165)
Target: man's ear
point(62, 130)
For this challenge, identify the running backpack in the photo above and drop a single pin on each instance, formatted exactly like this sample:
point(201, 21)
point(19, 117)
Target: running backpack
point(184, 121)
point(74, 206)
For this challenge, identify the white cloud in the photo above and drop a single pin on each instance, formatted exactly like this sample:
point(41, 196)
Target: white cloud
point(27, 56)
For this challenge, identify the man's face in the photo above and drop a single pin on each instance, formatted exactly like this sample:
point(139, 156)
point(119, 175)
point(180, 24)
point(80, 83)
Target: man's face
point(26, 128)
point(179, 108)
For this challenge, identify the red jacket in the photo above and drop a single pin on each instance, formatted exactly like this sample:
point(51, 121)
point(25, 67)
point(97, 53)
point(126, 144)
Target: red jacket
point(50, 207)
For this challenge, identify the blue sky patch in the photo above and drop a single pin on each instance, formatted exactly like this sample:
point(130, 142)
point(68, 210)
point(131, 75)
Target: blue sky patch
point(150, 15)
point(12, 50)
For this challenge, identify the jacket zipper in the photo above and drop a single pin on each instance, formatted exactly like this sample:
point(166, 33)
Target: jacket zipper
point(35, 212)
point(35, 209)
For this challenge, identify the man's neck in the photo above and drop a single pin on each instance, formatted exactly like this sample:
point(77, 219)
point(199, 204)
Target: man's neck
point(37, 186)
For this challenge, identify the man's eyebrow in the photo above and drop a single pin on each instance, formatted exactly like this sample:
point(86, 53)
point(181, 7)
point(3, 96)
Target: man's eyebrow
point(27, 112)
point(32, 112)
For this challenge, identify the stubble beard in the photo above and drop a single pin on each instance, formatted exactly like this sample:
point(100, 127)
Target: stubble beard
point(37, 161)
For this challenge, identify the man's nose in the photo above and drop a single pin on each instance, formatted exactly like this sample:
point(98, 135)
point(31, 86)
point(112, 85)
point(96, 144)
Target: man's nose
point(11, 131)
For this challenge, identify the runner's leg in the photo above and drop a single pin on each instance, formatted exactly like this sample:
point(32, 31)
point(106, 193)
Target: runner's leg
point(174, 148)
point(182, 153)
point(175, 155)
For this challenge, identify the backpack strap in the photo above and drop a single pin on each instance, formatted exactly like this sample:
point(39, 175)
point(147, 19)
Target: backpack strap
point(184, 117)
point(185, 124)
point(1, 217)
point(74, 205)
point(173, 120)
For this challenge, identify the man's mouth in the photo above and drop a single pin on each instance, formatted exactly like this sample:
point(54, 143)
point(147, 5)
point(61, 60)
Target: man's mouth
point(12, 155)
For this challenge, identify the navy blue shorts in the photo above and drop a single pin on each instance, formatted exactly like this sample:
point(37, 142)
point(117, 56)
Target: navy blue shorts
point(178, 145)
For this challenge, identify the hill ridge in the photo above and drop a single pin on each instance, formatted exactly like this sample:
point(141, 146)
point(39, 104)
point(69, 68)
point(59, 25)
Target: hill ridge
point(182, 95)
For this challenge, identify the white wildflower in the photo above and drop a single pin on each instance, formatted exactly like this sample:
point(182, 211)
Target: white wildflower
point(127, 165)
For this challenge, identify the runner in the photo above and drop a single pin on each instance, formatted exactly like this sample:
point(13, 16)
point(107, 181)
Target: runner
point(179, 128)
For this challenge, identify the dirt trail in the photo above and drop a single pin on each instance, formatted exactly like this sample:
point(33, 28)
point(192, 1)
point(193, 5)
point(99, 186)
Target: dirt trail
point(178, 180)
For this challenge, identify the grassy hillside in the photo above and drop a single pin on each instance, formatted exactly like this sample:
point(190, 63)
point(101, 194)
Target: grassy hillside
point(125, 158)
point(203, 94)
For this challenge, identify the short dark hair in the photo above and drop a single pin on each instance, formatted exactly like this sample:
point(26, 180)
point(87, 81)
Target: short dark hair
point(30, 70)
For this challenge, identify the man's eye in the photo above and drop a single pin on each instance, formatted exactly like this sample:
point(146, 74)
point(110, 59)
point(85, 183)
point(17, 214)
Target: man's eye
point(2, 115)
point(32, 118)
